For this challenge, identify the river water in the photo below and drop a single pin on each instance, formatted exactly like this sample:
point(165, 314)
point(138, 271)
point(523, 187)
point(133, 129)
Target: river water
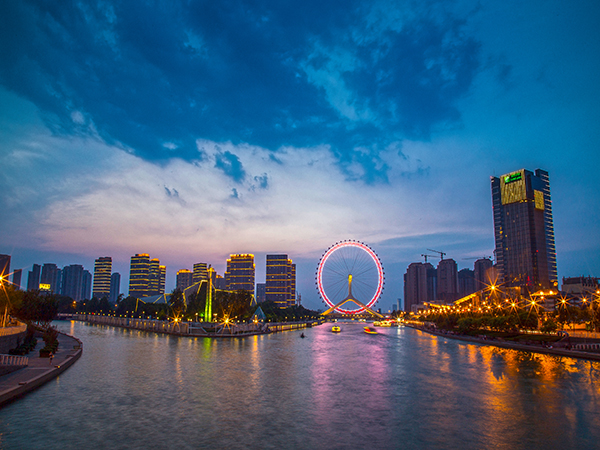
point(400, 389)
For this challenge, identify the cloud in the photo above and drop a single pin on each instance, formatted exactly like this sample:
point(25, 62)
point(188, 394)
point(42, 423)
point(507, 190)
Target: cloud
point(154, 80)
point(230, 165)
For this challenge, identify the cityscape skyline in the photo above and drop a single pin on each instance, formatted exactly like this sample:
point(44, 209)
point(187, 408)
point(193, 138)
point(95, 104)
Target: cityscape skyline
point(192, 133)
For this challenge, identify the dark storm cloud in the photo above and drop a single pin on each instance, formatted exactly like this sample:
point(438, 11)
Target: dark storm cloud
point(155, 78)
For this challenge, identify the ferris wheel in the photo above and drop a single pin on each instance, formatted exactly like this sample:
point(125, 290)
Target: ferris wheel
point(350, 272)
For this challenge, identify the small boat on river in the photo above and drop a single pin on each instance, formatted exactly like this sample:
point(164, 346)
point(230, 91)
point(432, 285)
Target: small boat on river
point(335, 329)
point(370, 330)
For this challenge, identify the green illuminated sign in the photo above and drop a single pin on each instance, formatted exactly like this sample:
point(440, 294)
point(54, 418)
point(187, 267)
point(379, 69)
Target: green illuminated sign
point(512, 177)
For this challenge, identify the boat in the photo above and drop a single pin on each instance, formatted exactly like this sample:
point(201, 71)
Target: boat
point(370, 330)
point(335, 329)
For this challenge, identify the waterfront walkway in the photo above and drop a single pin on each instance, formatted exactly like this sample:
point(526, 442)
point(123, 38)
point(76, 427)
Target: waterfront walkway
point(39, 370)
point(532, 347)
point(195, 329)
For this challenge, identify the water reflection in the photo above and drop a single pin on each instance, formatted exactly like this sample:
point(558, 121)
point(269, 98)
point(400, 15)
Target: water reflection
point(399, 389)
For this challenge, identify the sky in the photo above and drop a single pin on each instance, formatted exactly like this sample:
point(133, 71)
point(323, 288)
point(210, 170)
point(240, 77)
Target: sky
point(194, 130)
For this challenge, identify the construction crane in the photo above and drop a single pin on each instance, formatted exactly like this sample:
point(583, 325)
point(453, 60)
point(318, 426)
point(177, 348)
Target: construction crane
point(437, 251)
point(427, 256)
point(477, 257)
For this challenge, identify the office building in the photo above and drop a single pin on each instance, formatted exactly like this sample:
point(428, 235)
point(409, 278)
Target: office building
point(4, 267)
point(73, 282)
point(280, 286)
point(184, 279)
point(33, 278)
point(524, 230)
point(581, 286)
point(115, 287)
point(16, 278)
point(139, 275)
point(240, 273)
point(51, 278)
point(200, 273)
point(102, 273)
point(420, 285)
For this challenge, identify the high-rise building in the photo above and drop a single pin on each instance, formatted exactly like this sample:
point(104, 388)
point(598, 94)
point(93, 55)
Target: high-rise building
point(483, 277)
point(524, 229)
point(260, 292)
point(86, 289)
point(33, 278)
point(466, 282)
point(280, 286)
point(73, 282)
point(200, 273)
point(154, 277)
point(447, 281)
point(115, 287)
point(4, 267)
point(420, 285)
point(240, 273)
point(102, 273)
point(184, 279)
point(139, 275)
point(16, 278)
point(51, 278)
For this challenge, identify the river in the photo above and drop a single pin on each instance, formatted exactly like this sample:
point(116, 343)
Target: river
point(399, 389)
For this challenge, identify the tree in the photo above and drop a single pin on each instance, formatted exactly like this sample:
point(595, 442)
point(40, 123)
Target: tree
point(177, 303)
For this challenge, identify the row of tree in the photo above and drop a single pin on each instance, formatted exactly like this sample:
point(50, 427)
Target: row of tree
point(515, 319)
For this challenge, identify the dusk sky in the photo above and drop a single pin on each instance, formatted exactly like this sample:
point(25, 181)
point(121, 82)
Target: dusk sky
point(192, 130)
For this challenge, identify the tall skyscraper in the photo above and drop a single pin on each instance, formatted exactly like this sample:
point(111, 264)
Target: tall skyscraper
point(16, 278)
point(260, 292)
point(524, 229)
point(483, 277)
point(447, 281)
point(73, 282)
point(240, 273)
point(51, 277)
point(156, 277)
point(200, 272)
point(466, 282)
point(420, 285)
point(33, 278)
point(184, 279)
point(139, 273)
point(280, 286)
point(115, 287)
point(4, 267)
point(102, 273)
point(86, 283)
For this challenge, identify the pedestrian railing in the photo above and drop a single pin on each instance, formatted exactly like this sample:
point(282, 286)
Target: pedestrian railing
point(14, 360)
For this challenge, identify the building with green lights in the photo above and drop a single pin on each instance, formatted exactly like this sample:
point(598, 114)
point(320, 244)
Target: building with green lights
point(524, 230)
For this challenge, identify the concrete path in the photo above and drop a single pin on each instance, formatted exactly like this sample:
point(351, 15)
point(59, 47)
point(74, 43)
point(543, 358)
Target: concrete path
point(39, 370)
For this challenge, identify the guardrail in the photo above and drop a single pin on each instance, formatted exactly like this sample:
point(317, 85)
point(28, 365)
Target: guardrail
point(14, 360)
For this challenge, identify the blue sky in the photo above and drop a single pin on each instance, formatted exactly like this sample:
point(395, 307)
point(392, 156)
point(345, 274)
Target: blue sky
point(192, 130)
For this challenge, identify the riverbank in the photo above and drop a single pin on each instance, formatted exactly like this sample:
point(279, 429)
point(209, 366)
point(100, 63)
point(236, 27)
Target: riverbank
point(195, 329)
point(40, 370)
point(536, 348)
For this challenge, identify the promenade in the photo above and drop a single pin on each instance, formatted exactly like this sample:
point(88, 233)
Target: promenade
point(39, 370)
point(531, 347)
point(195, 329)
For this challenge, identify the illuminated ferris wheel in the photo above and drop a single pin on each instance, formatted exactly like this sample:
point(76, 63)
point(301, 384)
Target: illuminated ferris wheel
point(350, 272)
